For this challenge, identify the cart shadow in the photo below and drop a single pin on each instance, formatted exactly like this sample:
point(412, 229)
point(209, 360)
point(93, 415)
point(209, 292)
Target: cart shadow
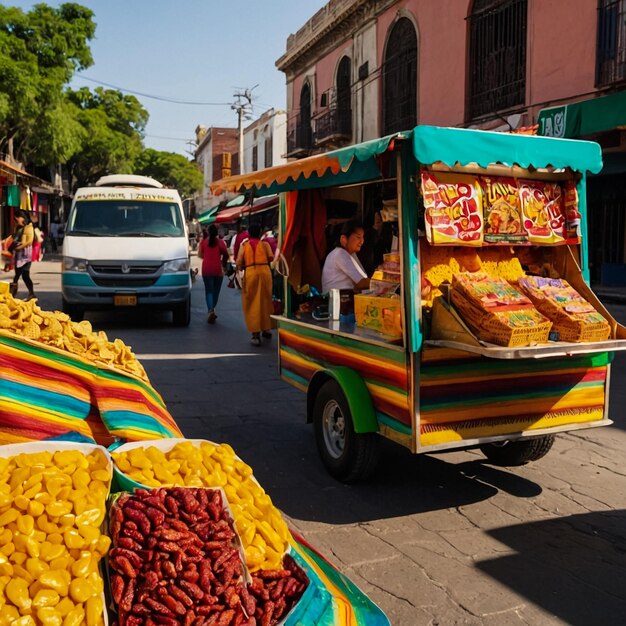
point(573, 567)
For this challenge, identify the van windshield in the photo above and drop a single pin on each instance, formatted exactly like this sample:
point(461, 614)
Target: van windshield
point(125, 218)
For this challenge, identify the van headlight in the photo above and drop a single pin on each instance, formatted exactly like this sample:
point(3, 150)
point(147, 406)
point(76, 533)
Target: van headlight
point(70, 264)
point(177, 265)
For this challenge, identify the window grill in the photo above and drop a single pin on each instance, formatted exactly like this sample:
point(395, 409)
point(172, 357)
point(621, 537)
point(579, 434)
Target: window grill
point(497, 63)
point(611, 42)
point(255, 158)
point(400, 78)
point(300, 131)
point(269, 150)
point(335, 123)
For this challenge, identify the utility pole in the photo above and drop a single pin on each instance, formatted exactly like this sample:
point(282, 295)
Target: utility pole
point(243, 106)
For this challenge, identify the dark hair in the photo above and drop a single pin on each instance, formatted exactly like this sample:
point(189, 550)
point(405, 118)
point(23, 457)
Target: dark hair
point(24, 214)
point(254, 230)
point(212, 235)
point(350, 227)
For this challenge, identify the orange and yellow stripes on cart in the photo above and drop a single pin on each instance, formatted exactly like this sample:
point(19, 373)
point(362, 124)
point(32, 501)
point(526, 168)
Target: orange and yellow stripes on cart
point(305, 350)
point(481, 397)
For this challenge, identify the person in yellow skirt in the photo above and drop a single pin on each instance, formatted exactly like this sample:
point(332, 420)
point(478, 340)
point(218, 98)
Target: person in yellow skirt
point(254, 258)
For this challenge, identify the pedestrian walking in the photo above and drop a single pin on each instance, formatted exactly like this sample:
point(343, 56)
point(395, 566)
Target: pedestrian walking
point(254, 259)
point(37, 239)
point(214, 254)
point(22, 248)
point(54, 234)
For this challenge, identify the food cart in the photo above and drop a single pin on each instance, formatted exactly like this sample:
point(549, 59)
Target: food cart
point(479, 329)
point(109, 516)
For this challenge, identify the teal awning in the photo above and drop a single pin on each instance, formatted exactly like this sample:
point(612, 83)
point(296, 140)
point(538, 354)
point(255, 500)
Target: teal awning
point(463, 146)
point(588, 117)
point(208, 216)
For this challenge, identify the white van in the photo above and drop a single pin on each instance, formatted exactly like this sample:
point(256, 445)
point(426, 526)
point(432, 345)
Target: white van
point(126, 245)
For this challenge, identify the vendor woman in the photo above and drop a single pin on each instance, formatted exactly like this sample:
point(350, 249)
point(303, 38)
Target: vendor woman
point(342, 268)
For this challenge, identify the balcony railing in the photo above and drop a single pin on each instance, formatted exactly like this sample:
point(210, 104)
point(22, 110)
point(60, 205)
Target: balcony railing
point(611, 43)
point(334, 125)
point(299, 137)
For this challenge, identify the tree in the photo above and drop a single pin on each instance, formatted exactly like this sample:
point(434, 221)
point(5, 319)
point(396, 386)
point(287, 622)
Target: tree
point(172, 169)
point(39, 53)
point(112, 131)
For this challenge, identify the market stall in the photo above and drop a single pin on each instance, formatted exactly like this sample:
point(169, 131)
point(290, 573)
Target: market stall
point(474, 326)
point(107, 515)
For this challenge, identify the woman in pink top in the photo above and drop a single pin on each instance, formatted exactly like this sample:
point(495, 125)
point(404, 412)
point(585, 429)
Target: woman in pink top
point(212, 251)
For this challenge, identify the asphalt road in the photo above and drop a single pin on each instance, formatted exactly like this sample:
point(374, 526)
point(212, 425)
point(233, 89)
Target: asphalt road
point(441, 539)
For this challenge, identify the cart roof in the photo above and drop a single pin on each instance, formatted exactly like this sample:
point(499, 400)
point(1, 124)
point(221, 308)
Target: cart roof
point(431, 144)
point(463, 146)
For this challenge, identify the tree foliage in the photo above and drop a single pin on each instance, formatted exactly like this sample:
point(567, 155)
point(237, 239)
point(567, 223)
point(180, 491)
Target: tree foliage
point(39, 53)
point(172, 169)
point(112, 130)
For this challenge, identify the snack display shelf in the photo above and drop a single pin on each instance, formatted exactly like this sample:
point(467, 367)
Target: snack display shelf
point(541, 351)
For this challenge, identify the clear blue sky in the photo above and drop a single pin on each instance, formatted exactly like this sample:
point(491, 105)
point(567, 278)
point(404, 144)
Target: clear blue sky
point(191, 50)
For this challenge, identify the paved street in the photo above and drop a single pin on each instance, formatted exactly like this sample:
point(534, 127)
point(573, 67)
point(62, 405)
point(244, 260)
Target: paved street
point(441, 539)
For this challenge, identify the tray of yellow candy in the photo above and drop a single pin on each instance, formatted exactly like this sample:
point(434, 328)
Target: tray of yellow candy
point(52, 505)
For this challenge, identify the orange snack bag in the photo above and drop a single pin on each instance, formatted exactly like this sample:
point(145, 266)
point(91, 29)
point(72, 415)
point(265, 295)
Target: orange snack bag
point(453, 209)
point(572, 215)
point(542, 209)
point(502, 211)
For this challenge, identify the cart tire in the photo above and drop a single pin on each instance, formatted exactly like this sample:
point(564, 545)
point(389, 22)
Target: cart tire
point(348, 456)
point(518, 452)
point(181, 313)
point(76, 312)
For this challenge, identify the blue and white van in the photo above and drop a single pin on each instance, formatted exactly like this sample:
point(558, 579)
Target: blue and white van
point(126, 245)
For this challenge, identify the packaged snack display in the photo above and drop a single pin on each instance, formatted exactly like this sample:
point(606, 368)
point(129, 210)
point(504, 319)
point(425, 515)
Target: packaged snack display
point(453, 207)
point(572, 215)
point(496, 312)
point(502, 211)
point(379, 313)
point(574, 319)
point(542, 208)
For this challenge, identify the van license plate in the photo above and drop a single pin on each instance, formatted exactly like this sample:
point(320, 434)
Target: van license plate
point(125, 299)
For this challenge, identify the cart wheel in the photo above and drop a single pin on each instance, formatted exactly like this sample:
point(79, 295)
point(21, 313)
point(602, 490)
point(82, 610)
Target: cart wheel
point(518, 452)
point(348, 456)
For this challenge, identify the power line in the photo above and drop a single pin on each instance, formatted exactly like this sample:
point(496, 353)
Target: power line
point(146, 95)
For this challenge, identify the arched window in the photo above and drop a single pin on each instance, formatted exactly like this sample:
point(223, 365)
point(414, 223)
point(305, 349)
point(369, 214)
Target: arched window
point(497, 55)
point(400, 78)
point(304, 139)
point(344, 97)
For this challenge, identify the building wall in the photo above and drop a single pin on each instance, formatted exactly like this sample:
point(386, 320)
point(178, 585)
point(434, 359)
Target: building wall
point(271, 125)
point(561, 56)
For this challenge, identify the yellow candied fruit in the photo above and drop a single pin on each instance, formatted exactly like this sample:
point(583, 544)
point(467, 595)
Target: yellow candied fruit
point(46, 597)
point(211, 465)
point(49, 616)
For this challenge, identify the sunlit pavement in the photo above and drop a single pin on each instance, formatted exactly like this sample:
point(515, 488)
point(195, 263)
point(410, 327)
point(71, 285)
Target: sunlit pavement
point(441, 539)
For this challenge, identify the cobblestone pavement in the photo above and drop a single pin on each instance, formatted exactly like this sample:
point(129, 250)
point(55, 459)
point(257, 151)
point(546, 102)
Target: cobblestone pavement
point(441, 539)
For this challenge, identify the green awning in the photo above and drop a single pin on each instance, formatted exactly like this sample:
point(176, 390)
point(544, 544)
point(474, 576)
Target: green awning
point(464, 146)
point(355, 163)
point(208, 216)
point(584, 118)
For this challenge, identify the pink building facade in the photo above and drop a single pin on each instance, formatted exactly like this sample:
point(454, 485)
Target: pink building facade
point(361, 69)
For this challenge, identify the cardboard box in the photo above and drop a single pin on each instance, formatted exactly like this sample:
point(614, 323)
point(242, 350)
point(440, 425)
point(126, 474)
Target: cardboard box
point(379, 313)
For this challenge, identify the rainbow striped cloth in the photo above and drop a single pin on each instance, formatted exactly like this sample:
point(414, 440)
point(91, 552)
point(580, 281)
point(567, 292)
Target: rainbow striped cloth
point(47, 393)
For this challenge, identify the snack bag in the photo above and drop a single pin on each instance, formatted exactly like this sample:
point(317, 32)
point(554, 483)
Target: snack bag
point(502, 211)
point(453, 209)
point(542, 209)
point(572, 215)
